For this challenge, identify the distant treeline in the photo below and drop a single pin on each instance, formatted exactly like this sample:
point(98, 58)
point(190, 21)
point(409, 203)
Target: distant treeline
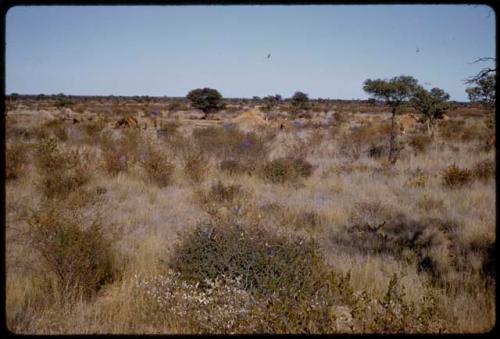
point(156, 99)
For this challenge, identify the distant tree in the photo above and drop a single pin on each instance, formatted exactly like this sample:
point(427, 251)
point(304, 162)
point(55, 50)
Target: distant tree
point(270, 102)
point(206, 99)
point(395, 92)
point(63, 100)
point(300, 100)
point(14, 96)
point(484, 93)
point(431, 104)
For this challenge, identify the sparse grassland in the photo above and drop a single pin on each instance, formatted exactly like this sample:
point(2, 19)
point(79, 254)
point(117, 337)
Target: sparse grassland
point(197, 226)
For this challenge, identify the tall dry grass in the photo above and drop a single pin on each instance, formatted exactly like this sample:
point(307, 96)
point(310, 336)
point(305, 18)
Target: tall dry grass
point(219, 231)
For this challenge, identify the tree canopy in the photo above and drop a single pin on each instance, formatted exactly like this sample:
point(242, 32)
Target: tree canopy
point(431, 104)
point(484, 91)
point(206, 99)
point(394, 91)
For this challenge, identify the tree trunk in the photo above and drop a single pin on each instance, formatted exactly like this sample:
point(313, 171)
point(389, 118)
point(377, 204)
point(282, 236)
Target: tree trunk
point(392, 140)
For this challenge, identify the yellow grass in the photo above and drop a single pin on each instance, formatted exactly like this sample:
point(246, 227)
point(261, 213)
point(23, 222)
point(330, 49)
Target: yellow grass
point(148, 221)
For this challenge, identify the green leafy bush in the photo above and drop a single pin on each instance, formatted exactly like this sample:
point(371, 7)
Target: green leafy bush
point(288, 276)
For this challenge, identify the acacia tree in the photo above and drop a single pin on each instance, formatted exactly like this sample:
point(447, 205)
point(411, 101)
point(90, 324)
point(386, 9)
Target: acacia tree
point(431, 104)
point(395, 92)
point(206, 99)
point(484, 93)
point(300, 100)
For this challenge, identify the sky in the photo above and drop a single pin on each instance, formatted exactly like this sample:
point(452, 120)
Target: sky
point(326, 51)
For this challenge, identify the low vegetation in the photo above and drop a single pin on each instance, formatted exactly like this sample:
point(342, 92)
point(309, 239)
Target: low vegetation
point(317, 219)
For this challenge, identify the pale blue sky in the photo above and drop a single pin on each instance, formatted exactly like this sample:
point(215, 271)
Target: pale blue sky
point(326, 51)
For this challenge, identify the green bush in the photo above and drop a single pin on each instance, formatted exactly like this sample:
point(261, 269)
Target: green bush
point(287, 169)
point(295, 290)
point(74, 248)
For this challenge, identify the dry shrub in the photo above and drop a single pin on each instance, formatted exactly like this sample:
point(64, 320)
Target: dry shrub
point(195, 166)
point(453, 176)
point(220, 194)
point(93, 129)
point(16, 155)
point(55, 128)
point(73, 247)
point(62, 172)
point(18, 132)
point(420, 142)
point(451, 130)
point(158, 166)
point(168, 129)
point(310, 221)
point(376, 151)
point(233, 167)
point(430, 244)
point(119, 154)
point(484, 170)
point(115, 161)
point(476, 132)
point(429, 204)
point(458, 130)
point(360, 138)
point(132, 142)
point(230, 143)
point(287, 169)
point(419, 180)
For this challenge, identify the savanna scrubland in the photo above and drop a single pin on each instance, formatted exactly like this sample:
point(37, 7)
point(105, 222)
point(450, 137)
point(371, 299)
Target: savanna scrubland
point(252, 220)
